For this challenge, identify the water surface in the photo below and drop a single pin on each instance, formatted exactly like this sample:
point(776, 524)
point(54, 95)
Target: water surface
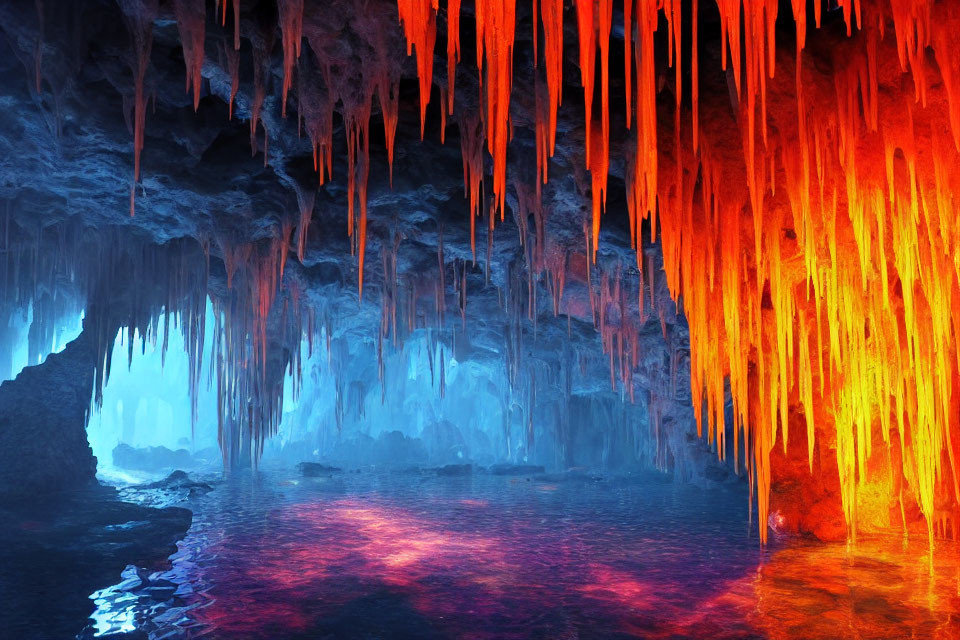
point(408, 556)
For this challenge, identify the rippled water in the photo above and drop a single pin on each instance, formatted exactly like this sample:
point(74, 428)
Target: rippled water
point(404, 556)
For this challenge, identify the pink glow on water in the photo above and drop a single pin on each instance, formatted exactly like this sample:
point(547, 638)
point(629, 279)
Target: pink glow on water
point(489, 558)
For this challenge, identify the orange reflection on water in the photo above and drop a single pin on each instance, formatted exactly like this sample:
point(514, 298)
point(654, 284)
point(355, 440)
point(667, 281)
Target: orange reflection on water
point(881, 588)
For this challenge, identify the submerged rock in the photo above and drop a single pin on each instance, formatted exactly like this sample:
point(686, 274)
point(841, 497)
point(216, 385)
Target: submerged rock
point(317, 470)
point(516, 469)
point(455, 470)
point(179, 480)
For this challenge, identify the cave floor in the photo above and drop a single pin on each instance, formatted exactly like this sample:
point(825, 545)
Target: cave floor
point(411, 555)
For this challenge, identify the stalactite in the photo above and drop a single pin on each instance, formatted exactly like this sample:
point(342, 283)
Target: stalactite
point(139, 16)
point(587, 31)
point(453, 49)
point(291, 27)
point(419, 18)
point(230, 61)
point(471, 151)
point(552, 15)
point(496, 22)
point(191, 19)
point(262, 47)
point(305, 201)
point(357, 118)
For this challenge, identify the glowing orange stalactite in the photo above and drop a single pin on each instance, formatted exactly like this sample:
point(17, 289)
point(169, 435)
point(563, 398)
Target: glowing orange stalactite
point(388, 93)
point(191, 16)
point(453, 49)
point(541, 134)
point(358, 148)
point(386, 77)
point(471, 151)
point(836, 284)
point(599, 168)
point(551, 12)
point(139, 16)
point(695, 72)
point(587, 31)
point(628, 56)
point(419, 18)
point(642, 180)
point(291, 28)
point(496, 23)
point(231, 61)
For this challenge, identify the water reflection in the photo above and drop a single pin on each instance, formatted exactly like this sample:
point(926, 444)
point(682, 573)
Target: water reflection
point(483, 557)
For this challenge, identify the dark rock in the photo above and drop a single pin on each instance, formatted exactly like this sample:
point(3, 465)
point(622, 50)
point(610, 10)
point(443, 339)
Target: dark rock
point(43, 438)
point(316, 470)
point(455, 470)
point(179, 480)
point(516, 469)
point(54, 553)
point(150, 459)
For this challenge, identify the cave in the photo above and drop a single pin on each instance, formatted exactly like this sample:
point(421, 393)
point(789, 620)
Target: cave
point(479, 319)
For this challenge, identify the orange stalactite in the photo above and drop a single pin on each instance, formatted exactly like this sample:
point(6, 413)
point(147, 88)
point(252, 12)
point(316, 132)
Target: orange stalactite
point(628, 56)
point(453, 49)
point(642, 180)
point(551, 12)
point(541, 134)
point(587, 31)
point(496, 23)
point(889, 216)
point(139, 17)
point(419, 18)
point(599, 168)
point(694, 72)
point(291, 28)
point(231, 60)
point(305, 201)
point(191, 19)
point(387, 83)
point(471, 151)
point(389, 95)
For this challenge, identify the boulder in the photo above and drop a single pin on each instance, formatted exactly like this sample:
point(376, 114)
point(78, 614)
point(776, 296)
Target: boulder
point(317, 470)
point(516, 469)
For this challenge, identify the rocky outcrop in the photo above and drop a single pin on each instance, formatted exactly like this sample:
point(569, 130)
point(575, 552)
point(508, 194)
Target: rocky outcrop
point(43, 439)
point(54, 553)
